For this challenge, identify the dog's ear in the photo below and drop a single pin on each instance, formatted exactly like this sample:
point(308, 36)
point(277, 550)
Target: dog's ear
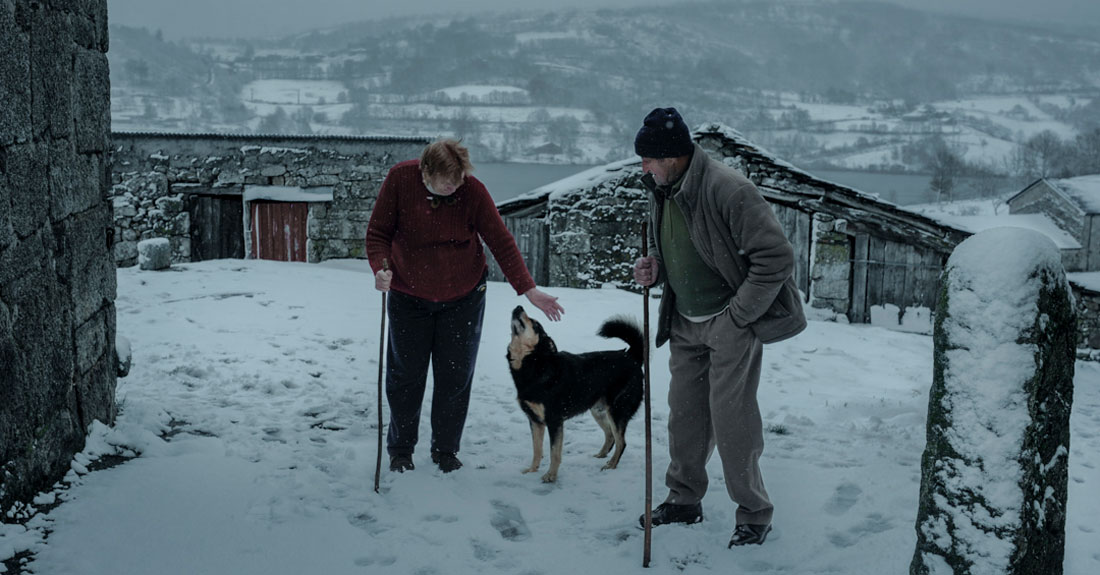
point(544, 339)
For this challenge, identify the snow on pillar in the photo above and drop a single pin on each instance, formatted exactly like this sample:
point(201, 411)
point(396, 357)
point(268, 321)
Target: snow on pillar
point(994, 471)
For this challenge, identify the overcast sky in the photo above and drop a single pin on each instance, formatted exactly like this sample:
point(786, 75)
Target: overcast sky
point(252, 18)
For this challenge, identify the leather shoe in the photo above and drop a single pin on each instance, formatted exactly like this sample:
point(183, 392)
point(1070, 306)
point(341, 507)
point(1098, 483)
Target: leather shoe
point(749, 535)
point(673, 513)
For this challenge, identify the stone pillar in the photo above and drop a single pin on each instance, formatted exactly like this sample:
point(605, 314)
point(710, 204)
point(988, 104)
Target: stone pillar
point(57, 278)
point(994, 471)
point(830, 265)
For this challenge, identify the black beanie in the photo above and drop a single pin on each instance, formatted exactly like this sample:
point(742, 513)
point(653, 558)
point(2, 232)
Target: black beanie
point(663, 135)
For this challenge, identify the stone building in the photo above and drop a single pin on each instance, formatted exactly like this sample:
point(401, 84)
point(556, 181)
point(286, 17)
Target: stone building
point(1074, 206)
point(292, 198)
point(57, 272)
point(855, 254)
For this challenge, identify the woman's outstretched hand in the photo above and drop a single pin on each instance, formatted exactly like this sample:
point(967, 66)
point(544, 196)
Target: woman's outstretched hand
point(545, 302)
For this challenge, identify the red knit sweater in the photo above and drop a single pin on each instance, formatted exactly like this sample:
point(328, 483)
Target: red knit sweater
point(436, 253)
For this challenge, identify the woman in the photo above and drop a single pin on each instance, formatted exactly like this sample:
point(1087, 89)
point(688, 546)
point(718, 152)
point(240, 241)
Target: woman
point(428, 224)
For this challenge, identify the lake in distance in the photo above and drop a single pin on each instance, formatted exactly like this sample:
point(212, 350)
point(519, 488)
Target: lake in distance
point(508, 180)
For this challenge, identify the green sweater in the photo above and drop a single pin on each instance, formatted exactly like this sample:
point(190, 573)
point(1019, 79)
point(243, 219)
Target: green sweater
point(700, 292)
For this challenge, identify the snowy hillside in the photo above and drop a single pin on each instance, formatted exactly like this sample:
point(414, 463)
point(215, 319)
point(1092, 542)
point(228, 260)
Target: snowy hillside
point(818, 83)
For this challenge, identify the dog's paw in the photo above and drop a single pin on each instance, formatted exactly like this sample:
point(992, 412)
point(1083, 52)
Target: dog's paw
point(602, 453)
point(609, 465)
point(530, 469)
point(549, 477)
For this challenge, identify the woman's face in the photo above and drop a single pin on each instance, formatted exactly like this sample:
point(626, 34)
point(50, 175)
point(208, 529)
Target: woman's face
point(440, 185)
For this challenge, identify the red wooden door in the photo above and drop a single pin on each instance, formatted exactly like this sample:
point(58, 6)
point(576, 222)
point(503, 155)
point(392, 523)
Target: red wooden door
point(279, 230)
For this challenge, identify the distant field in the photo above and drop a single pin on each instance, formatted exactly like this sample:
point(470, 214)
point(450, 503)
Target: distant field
point(295, 92)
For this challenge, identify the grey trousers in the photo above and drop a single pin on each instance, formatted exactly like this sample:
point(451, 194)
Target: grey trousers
point(715, 368)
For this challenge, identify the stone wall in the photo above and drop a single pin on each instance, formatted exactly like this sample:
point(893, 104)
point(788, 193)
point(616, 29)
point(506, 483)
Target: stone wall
point(1088, 322)
point(596, 233)
point(154, 174)
point(1089, 259)
point(57, 275)
point(830, 277)
point(1041, 199)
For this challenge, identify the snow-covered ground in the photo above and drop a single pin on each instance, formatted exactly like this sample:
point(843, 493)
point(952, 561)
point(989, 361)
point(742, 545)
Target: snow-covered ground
point(263, 377)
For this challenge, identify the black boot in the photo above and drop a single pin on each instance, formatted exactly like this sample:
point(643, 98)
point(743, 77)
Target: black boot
point(401, 463)
point(672, 513)
point(749, 535)
point(447, 462)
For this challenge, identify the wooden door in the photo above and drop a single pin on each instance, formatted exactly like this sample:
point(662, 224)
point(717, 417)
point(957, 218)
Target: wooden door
point(796, 226)
point(217, 227)
point(533, 240)
point(885, 272)
point(279, 230)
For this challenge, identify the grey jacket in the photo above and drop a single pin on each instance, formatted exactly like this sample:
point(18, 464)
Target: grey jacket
point(736, 233)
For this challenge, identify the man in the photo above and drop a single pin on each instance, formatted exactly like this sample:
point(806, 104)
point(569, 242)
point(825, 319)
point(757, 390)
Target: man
point(726, 268)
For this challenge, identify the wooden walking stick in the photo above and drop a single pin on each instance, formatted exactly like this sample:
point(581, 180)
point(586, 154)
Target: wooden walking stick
point(648, 539)
point(381, 356)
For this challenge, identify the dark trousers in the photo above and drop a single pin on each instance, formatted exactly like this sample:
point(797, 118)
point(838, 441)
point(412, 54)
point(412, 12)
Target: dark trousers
point(446, 334)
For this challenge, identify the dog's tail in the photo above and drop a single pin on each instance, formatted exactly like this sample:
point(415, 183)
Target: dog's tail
point(626, 329)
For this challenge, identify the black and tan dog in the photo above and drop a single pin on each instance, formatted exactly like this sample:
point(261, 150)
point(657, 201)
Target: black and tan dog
point(553, 386)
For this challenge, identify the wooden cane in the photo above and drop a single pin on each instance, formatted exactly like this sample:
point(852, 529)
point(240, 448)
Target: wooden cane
point(648, 539)
point(381, 356)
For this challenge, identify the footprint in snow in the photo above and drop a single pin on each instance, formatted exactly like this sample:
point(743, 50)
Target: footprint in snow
point(508, 521)
point(872, 524)
point(845, 496)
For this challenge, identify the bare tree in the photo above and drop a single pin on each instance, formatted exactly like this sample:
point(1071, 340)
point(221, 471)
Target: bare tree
point(946, 166)
point(1045, 153)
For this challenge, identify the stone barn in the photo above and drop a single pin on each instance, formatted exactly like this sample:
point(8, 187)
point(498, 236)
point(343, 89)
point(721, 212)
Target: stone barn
point(857, 254)
point(57, 272)
point(213, 196)
point(1074, 206)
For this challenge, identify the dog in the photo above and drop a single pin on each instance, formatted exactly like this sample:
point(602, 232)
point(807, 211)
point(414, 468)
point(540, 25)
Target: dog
point(552, 386)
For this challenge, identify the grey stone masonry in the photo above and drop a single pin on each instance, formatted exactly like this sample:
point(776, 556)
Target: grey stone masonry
point(595, 233)
point(995, 468)
point(831, 255)
point(57, 271)
point(155, 176)
point(1088, 322)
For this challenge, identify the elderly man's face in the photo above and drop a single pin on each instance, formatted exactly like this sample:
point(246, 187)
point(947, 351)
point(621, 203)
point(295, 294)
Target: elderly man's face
point(663, 170)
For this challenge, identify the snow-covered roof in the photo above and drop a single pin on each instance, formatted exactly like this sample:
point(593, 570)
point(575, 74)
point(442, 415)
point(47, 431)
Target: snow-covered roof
point(1087, 280)
point(288, 193)
point(785, 180)
point(1037, 222)
point(1085, 190)
point(116, 134)
point(589, 178)
point(735, 137)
